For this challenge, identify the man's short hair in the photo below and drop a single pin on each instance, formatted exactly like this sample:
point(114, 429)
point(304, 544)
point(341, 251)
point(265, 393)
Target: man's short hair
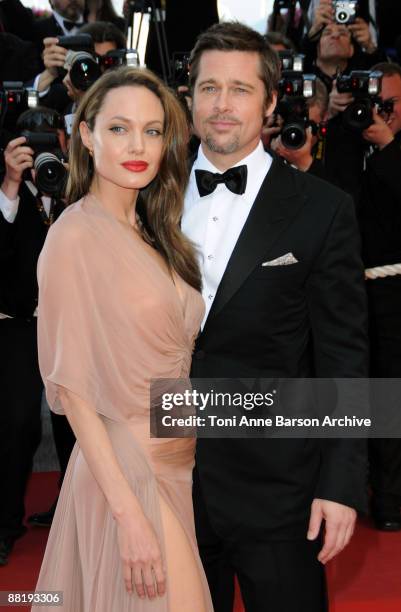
point(104, 31)
point(321, 97)
point(40, 119)
point(388, 68)
point(235, 36)
point(278, 38)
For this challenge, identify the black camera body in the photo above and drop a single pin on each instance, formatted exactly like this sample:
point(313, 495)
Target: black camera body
point(365, 87)
point(51, 174)
point(291, 61)
point(80, 61)
point(345, 11)
point(294, 90)
point(119, 57)
point(14, 99)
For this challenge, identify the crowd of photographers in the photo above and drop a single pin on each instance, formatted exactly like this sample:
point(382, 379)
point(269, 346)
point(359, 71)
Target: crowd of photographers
point(338, 116)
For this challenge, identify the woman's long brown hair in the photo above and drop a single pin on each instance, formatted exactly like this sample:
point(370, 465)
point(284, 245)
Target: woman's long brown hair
point(160, 204)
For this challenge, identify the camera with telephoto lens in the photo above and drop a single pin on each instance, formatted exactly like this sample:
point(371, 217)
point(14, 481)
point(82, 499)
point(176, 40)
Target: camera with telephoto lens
point(365, 87)
point(119, 57)
point(345, 12)
point(291, 61)
point(295, 89)
point(51, 174)
point(80, 60)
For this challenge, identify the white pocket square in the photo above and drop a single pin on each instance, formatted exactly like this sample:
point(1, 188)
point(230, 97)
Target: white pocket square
point(284, 260)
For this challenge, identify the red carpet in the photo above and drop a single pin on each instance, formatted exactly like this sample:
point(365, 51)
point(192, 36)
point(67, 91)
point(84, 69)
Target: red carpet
point(365, 578)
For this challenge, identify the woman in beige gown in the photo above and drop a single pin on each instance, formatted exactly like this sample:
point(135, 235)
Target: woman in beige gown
point(118, 306)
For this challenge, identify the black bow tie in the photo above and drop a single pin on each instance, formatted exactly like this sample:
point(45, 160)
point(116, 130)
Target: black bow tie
point(70, 24)
point(233, 178)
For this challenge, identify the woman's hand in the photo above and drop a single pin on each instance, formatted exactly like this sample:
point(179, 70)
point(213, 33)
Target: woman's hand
point(141, 556)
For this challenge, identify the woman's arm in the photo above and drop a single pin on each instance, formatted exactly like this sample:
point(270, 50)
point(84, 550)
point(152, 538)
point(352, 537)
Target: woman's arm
point(139, 548)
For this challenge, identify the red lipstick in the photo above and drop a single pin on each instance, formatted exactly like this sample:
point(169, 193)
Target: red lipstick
point(135, 166)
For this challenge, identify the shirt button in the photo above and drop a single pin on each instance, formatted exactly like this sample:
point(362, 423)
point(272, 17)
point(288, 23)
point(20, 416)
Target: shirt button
point(215, 219)
point(210, 256)
point(210, 296)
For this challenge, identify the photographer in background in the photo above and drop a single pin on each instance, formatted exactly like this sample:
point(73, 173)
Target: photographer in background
point(331, 47)
point(25, 217)
point(380, 224)
point(336, 53)
point(344, 150)
point(308, 158)
point(56, 92)
point(66, 19)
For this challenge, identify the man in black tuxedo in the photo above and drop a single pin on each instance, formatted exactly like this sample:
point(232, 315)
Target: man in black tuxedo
point(260, 504)
point(66, 18)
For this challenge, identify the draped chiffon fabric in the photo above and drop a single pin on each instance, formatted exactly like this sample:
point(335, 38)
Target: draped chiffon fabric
point(111, 318)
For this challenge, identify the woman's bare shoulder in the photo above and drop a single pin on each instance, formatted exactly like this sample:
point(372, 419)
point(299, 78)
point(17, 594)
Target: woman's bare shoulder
point(72, 230)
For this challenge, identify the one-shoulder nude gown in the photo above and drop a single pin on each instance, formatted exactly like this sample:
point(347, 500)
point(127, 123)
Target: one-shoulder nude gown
point(110, 320)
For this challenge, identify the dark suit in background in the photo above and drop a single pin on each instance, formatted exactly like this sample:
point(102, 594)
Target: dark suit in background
point(21, 21)
point(20, 381)
point(380, 223)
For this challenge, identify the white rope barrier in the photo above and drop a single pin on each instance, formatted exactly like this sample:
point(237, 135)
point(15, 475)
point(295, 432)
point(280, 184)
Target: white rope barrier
point(383, 271)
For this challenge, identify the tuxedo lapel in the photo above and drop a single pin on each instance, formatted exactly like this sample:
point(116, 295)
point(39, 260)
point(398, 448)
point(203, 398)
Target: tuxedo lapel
point(276, 204)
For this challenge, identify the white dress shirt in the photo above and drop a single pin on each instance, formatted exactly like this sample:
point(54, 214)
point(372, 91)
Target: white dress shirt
point(9, 208)
point(215, 221)
point(60, 20)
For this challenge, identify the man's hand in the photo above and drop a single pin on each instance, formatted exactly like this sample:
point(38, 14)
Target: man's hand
point(53, 55)
point(379, 132)
point(271, 128)
point(53, 58)
point(300, 158)
point(361, 32)
point(324, 14)
point(17, 158)
point(340, 523)
point(338, 102)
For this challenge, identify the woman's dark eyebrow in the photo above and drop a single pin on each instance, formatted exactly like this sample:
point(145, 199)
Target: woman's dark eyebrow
point(126, 120)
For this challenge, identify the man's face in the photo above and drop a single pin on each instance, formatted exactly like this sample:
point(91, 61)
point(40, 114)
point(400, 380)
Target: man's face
point(229, 105)
point(317, 113)
point(335, 43)
point(69, 9)
point(391, 90)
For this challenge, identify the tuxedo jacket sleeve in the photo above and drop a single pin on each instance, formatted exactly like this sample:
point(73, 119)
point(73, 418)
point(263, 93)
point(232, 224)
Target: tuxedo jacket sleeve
point(337, 308)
